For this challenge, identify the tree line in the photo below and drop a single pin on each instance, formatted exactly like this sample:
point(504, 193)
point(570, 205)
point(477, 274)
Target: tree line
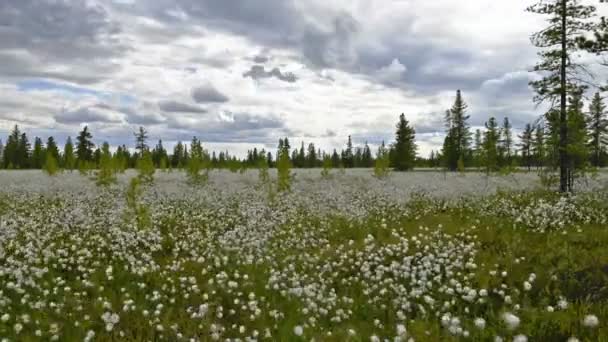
point(538, 145)
point(493, 148)
point(18, 153)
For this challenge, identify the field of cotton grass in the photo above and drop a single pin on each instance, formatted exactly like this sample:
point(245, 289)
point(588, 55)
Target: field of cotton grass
point(419, 256)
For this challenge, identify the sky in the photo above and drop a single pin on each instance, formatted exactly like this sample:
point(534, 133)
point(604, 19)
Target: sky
point(243, 73)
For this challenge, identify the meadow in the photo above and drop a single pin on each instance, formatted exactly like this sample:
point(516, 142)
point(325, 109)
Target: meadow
point(417, 256)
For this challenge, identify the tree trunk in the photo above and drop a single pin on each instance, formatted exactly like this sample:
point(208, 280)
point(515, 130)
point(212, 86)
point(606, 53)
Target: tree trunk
point(563, 119)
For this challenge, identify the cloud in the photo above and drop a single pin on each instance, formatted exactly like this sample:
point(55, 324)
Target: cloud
point(70, 40)
point(98, 113)
point(258, 72)
point(233, 127)
point(393, 72)
point(207, 93)
point(179, 107)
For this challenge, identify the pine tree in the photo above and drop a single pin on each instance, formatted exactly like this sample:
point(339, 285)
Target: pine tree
point(561, 41)
point(526, 145)
point(69, 162)
point(84, 148)
point(405, 146)
point(598, 129)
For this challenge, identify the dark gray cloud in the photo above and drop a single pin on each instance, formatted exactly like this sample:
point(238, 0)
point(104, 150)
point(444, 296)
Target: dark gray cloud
point(208, 93)
point(179, 107)
point(70, 40)
point(234, 127)
point(258, 72)
point(260, 59)
point(100, 113)
point(65, 29)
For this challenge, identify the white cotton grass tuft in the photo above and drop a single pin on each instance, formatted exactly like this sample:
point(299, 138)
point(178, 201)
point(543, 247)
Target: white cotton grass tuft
point(511, 320)
point(520, 338)
point(591, 321)
point(480, 323)
point(298, 330)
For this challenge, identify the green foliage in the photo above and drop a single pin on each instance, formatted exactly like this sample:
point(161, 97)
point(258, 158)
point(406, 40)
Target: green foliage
point(163, 165)
point(85, 167)
point(381, 167)
point(548, 179)
point(136, 208)
point(199, 164)
point(145, 168)
point(50, 165)
point(284, 176)
point(598, 129)
point(460, 165)
point(262, 166)
point(106, 173)
point(327, 166)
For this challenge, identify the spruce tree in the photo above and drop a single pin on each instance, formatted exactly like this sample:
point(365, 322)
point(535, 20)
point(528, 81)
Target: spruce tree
point(52, 149)
point(538, 146)
point(477, 149)
point(577, 148)
point(38, 152)
point(335, 159)
point(506, 141)
point(490, 145)
point(140, 140)
point(84, 148)
point(598, 129)
point(69, 162)
point(526, 145)
point(10, 159)
point(311, 157)
point(348, 156)
point(405, 146)
point(23, 152)
point(458, 138)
